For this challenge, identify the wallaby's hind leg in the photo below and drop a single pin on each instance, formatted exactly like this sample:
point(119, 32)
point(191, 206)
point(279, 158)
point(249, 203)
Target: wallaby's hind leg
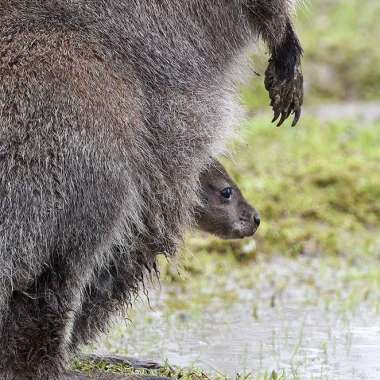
point(107, 294)
point(35, 331)
point(33, 338)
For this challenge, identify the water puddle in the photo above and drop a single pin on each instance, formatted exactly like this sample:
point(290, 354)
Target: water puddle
point(296, 330)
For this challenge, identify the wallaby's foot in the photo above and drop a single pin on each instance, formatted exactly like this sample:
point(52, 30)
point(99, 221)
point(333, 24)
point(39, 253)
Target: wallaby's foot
point(286, 93)
point(118, 360)
point(76, 375)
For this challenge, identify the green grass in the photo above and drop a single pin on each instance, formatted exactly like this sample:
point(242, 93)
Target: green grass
point(177, 373)
point(317, 186)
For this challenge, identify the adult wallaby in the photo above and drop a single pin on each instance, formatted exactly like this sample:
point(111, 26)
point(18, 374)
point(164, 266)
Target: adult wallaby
point(109, 111)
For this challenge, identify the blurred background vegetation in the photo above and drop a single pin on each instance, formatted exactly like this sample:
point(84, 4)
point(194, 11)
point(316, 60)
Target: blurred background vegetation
point(317, 188)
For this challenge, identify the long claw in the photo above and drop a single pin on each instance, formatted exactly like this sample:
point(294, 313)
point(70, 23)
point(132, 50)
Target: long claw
point(297, 115)
point(285, 114)
point(276, 116)
point(283, 118)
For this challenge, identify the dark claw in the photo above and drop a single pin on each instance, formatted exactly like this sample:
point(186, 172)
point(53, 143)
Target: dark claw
point(297, 115)
point(276, 115)
point(283, 118)
point(296, 110)
point(287, 109)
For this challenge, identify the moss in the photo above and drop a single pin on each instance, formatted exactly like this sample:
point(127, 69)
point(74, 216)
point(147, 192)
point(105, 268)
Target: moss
point(315, 183)
point(177, 373)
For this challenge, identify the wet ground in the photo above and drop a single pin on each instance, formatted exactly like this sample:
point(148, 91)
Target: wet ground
point(309, 317)
point(296, 322)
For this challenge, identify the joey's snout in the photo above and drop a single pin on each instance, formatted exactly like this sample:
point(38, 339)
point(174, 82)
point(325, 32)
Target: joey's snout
point(248, 223)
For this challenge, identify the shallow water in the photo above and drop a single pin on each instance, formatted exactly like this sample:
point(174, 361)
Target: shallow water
point(292, 330)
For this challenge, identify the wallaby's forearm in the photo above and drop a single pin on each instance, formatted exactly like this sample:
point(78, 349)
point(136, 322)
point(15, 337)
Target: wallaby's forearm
point(283, 78)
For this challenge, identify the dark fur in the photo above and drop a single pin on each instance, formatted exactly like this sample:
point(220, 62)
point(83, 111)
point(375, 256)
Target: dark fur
point(109, 112)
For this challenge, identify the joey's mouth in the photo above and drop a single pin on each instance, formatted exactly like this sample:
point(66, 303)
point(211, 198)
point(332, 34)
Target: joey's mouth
point(235, 232)
point(242, 233)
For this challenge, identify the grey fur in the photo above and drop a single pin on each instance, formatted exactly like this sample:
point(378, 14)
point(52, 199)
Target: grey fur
point(109, 111)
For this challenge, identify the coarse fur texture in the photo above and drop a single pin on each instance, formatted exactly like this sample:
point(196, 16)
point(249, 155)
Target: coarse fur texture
point(223, 212)
point(110, 110)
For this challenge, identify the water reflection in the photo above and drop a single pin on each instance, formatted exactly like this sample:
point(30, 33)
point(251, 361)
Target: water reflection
point(257, 334)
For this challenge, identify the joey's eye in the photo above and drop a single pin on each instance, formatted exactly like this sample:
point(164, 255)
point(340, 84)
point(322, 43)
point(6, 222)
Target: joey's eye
point(226, 193)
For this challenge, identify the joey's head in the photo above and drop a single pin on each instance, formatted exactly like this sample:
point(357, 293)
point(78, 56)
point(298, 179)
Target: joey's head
point(224, 213)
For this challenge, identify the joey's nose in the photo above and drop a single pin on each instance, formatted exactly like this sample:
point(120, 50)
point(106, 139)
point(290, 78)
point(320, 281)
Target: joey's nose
point(257, 220)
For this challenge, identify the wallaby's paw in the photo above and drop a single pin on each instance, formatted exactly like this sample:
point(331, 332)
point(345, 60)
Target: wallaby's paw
point(286, 95)
point(118, 360)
